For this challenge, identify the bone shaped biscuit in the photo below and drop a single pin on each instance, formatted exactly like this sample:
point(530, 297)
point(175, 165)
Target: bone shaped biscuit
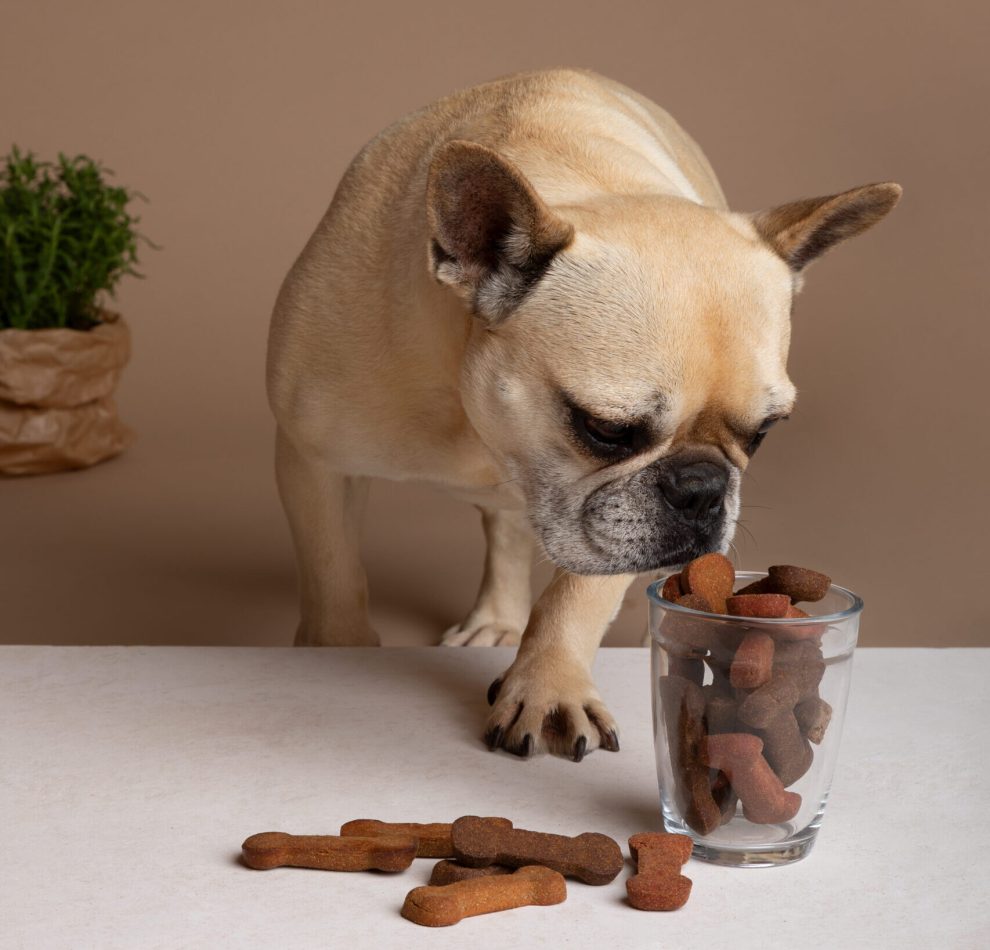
point(273, 849)
point(658, 883)
point(450, 872)
point(683, 704)
point(593, 858)
point(813, 716)
point(752, 665)
point(450, 903)
point(739, 755)
point(434, 839)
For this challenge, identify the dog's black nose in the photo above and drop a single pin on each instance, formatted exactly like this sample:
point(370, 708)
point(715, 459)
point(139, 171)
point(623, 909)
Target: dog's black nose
point(695, 490)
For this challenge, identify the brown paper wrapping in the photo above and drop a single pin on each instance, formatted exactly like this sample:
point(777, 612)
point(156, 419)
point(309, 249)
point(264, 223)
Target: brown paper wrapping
point(56, 410)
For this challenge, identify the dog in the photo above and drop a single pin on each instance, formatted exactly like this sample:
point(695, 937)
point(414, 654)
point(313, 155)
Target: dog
point(532, 293)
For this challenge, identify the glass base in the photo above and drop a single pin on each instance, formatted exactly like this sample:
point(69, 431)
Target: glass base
point(774, 857)
point(741, 844)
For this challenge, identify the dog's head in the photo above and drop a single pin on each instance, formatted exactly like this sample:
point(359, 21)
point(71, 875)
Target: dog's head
point(629, 353)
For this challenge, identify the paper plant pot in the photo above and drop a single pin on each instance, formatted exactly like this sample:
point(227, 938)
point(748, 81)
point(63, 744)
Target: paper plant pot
point(56, 405)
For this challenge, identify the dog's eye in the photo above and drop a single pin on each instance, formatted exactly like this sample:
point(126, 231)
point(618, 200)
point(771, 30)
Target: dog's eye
point(606, 438)
point(610, 433)
point(765, 426)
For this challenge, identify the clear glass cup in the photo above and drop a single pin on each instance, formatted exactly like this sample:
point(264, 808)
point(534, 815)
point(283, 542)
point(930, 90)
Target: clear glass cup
point(780, 745)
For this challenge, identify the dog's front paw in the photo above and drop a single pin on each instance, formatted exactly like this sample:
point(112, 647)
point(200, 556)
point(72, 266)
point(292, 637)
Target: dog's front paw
point(481, 634)
point(548, 707)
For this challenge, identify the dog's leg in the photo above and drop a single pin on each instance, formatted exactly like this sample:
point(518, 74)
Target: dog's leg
point(324, 509)
point(500, 612)
point(546, 700)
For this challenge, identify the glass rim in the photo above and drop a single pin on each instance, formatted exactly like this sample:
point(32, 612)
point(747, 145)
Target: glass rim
point(856, 604)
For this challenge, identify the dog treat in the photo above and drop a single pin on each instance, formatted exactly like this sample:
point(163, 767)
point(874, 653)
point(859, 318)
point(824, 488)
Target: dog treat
point(753, 662)
point(798, 582)
point(720, 711)
point(761, 710)
point(273, 849)
point(433, 906)
point(695, 602)
point(593, 858)
point(762, 586)
point(711, 576)
point(720, 675)
point(806, 631)
point(797, 671)
point(434, 839)
point(813, 716)
point(786, 749)
point(450, 872)
point(758, 605)
point(672, 589)
point(690, 668)
point(725, 797)
point(683, 705)
point(658, 883)
point(685, 635)
point(763, 706)
point(763, 796)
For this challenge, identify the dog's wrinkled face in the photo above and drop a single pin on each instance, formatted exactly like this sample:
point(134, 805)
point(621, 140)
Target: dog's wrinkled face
point(629, 353)
point(629, 388)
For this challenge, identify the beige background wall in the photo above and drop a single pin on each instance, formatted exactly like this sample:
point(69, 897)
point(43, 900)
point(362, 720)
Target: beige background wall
point(237, 121)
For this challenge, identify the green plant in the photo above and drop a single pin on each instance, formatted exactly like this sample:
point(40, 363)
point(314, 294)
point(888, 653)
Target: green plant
point(65, 236)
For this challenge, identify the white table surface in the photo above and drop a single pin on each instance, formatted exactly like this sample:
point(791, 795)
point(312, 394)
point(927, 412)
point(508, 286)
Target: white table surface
point(130, 775)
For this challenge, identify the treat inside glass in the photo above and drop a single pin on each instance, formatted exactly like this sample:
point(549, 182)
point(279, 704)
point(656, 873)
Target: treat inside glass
point(747, 717)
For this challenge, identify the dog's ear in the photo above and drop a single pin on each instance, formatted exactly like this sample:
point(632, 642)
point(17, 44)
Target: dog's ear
point(803, 230)
point(491, 235)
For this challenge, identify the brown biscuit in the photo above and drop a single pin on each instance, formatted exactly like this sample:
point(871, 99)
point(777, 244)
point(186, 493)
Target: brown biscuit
point(725, 797)
point(720, 674)
point(684, 634)
point(752, 665)
point(762, 794)
point(450, 872)
point(813, 716)
point(695, 602)
point(683, 705)
point(434, 839)
point(273, 849)
point(797, 670)
point(786, 749)
point(712, 577)
point(690, 667)
point(593, 858)
point(798, 583)
point(720, 711)
point(770, 606)
point(658, 883)
point(762, 586)
point(672, 589)
point(443, 906)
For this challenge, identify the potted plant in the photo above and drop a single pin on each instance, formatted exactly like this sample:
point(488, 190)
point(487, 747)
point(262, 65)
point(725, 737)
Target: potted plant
point(66, 238)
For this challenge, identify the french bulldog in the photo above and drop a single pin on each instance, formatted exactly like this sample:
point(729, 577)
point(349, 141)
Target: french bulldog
point(533, 293)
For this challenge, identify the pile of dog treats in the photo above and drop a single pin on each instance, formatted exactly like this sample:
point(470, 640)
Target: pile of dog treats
point(487, 865)
point(746, 735)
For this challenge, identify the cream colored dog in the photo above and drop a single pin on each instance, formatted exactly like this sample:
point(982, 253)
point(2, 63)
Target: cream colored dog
point(532, 293)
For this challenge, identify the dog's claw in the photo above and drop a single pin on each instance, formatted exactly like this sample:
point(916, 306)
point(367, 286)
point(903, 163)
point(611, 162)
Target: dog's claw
point(579, 748)
point(527, 746)
point(519, 750)
point(612, 741)
point(493, 691)
point(494, 737)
